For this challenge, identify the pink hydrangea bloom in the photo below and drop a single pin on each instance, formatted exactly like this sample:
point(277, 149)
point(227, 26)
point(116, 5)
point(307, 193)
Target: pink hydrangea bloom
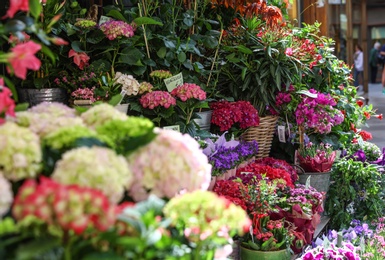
point(188, 91)
point(115, 29)
point(157, 98)
point(84, 94)
point(170, 164)
point(22, 57)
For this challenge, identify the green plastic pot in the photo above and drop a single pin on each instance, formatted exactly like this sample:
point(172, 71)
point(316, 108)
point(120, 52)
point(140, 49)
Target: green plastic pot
point(249, 254)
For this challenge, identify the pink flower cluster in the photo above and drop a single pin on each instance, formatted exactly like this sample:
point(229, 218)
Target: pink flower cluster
point(318, 113)
point(68, 207)
point(7, 104)
point(116, 29)
point(84, 94)
point(157, 98)
point(188, 91)
point(228, 114)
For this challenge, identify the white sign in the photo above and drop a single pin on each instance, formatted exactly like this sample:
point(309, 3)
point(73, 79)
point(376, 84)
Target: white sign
point(174, 81)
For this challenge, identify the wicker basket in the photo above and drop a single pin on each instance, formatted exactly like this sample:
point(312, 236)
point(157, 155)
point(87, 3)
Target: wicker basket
point(263, 134)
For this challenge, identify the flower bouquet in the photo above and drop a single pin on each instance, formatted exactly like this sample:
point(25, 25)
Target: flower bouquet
point(316, 157)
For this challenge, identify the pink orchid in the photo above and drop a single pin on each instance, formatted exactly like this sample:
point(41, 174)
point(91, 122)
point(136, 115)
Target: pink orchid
point(7, 104)
point(80, 58)
point(22, 57)
point(15, 6)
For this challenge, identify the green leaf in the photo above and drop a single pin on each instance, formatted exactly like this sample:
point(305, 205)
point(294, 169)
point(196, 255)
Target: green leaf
point(131, 56)
point(36, 247)
point(102, 256)
point(117, 15)
point(146, 20)
point(210, 42)
point(49, 53)
point(35, 8)
point(244, 49)
point(76, 46)
point(181, 57)
point(162, 52)
point(21, 107)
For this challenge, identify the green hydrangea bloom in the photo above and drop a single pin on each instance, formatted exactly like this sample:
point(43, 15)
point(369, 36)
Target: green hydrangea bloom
point(20, 152)
point(66, 136)
point(100, 114)
point(96, 167)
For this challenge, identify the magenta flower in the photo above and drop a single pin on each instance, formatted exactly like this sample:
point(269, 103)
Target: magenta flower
point(318, 113)
point(116, 29)
point(157, 98)
point(22, 57)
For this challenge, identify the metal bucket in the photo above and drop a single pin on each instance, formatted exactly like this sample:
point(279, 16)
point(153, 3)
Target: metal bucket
point(36, 96)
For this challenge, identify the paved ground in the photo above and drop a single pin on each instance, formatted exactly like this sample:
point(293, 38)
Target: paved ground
point(375, 126)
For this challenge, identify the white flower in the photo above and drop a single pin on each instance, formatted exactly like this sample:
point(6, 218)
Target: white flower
point(130, 86)
point(20, 152)
point(96, 167)
point(6, 196)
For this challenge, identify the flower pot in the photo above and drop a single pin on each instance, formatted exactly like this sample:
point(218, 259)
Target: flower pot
point(204, 122)
point(34, 96)
point(212, 183)
point(122, 107)
point(249, 254)
point(83, 103)
point(318, 180)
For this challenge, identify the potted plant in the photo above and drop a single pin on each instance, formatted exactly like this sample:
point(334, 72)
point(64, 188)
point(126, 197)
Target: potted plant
point(25, 38)
point(258, 195)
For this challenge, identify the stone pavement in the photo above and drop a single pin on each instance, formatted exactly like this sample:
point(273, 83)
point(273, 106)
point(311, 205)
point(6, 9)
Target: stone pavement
point(375, 126)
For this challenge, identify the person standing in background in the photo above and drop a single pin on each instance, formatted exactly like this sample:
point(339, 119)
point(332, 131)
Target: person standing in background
point(382, 52)
point(358, 65)
point(373, 62)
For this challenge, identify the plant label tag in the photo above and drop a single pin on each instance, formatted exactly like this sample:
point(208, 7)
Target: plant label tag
point(174, 81)
point(172, 127)
point(246, 172)
point(281, 134)
point(104, 19)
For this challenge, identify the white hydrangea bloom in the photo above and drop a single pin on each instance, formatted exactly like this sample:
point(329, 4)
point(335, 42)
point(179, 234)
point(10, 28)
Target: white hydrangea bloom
point(130, 86)
point(6, 195)
point(99, 114)
point(20, 152)
point(96, 167)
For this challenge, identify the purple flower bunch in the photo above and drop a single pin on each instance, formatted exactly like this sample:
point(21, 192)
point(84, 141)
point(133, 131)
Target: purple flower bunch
point(113, 29)
point(330, 251)
point(224, 155)
point(316, 111)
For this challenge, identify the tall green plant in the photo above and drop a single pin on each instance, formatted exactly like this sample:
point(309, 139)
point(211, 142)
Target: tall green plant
point(356, 193)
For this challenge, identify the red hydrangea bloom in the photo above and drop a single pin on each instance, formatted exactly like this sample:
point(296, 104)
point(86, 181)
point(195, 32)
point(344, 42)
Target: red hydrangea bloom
point(228, 114)
point(280, 164)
